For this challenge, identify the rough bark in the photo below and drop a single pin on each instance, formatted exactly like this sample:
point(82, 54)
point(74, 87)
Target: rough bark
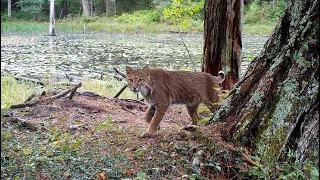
point(85, 6)
point(273, 107)
point(222, 39)
point(52, 16)
point(232, 56)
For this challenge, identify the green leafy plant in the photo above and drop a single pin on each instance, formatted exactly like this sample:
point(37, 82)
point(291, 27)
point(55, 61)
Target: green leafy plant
point(181, 11)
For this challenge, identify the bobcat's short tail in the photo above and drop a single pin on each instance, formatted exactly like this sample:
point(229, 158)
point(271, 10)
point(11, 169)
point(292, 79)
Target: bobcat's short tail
point(221, 76)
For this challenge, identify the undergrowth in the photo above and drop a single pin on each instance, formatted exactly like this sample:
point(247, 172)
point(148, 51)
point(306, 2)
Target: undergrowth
point(106, 150)
point(259, 19)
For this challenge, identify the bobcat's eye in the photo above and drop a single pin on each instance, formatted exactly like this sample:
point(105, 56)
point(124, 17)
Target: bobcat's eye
point(140, 80)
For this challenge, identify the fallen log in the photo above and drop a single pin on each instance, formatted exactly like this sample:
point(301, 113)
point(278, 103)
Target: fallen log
point(48, 99)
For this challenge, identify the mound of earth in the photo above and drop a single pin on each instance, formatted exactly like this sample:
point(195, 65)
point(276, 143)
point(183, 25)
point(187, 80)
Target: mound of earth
point(86, 110)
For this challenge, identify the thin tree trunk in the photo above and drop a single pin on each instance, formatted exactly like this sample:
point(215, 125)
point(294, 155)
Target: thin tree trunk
point(115, 8)
point(232, 57)
point(108, 3)
point(85, 6)
point(91, 9)
point(274, 106)
point(51, 25)
point(9, 8)
point(64, 10)
point(222, 39)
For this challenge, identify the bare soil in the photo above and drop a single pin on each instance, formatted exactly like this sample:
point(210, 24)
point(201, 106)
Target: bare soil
point(86, 109)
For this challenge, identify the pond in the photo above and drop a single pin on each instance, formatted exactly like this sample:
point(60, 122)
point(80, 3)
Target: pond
point(88, 55)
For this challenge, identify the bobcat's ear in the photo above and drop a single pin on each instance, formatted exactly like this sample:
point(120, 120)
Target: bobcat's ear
point(128, 69)
point(145, 68)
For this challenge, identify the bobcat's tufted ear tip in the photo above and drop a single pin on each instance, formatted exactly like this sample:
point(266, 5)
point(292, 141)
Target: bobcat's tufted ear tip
point(146, 68)
point(128, 69)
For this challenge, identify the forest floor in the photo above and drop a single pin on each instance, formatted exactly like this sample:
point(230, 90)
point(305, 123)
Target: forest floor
point(91, 136)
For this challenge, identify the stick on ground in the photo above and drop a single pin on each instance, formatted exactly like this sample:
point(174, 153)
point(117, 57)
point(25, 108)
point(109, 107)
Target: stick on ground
point(48, 99)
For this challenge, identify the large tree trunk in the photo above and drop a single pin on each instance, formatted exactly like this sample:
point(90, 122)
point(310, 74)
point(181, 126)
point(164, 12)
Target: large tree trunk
point(9, 8)
point(85, 6)
point(274, 107)
point(51, 25)
point(222, 39)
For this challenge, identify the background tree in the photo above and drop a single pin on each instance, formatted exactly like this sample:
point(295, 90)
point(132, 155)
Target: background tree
point(9, 8)
point(222, 39)
point(108, 7)
point(51, 25)
point(85, 6)
point(274, 108)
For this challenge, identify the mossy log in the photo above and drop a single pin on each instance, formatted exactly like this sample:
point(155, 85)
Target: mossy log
point(274, 106)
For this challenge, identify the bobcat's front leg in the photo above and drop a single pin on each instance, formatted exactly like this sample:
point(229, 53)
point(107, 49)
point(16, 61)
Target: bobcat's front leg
point(156, 119)
point(149, 114)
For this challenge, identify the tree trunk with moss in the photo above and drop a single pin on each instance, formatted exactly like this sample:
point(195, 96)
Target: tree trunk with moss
point(274, 106)
point(222, 39)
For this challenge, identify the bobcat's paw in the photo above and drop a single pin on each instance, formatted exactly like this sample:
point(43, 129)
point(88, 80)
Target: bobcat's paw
point(147, 135)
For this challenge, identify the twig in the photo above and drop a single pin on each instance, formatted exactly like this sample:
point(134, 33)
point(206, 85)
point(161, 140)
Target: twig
point(73, 90)
point(134, 101)
point(120, 92)
point(248, 160)
point(30, 97)
point(184, 43)
point(47, 99)
point(118, 75)
point(23, 123)
point(123, 121)
point(29, 79)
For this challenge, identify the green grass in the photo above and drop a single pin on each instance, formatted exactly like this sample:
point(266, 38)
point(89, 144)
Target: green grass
point(110, 24)
point(258, 29)
point(9, 93)
point(108, 87)
point(10, 96)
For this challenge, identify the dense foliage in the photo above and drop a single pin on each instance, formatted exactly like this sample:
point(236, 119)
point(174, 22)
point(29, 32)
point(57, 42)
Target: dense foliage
point(183, 12)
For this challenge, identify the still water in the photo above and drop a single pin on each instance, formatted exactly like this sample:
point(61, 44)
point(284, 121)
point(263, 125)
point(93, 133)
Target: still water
point(88, 55)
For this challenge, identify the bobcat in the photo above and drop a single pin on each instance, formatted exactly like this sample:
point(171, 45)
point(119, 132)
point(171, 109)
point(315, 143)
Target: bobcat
point(161, 88)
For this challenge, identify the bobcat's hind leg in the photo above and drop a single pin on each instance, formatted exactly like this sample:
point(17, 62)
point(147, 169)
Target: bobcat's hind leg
point(193, 112)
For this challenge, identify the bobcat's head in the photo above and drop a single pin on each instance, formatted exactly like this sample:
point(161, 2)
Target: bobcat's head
point(139, 80)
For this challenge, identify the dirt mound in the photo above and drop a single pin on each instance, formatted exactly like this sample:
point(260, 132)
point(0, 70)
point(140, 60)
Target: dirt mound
point(86, 108)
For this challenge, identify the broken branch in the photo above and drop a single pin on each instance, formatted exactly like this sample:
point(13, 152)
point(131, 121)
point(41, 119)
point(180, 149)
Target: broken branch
point(23, 123)
point(48, 99)
point(120, 92)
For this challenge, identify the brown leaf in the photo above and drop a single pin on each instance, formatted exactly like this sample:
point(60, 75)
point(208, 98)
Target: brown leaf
point(101, 176)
